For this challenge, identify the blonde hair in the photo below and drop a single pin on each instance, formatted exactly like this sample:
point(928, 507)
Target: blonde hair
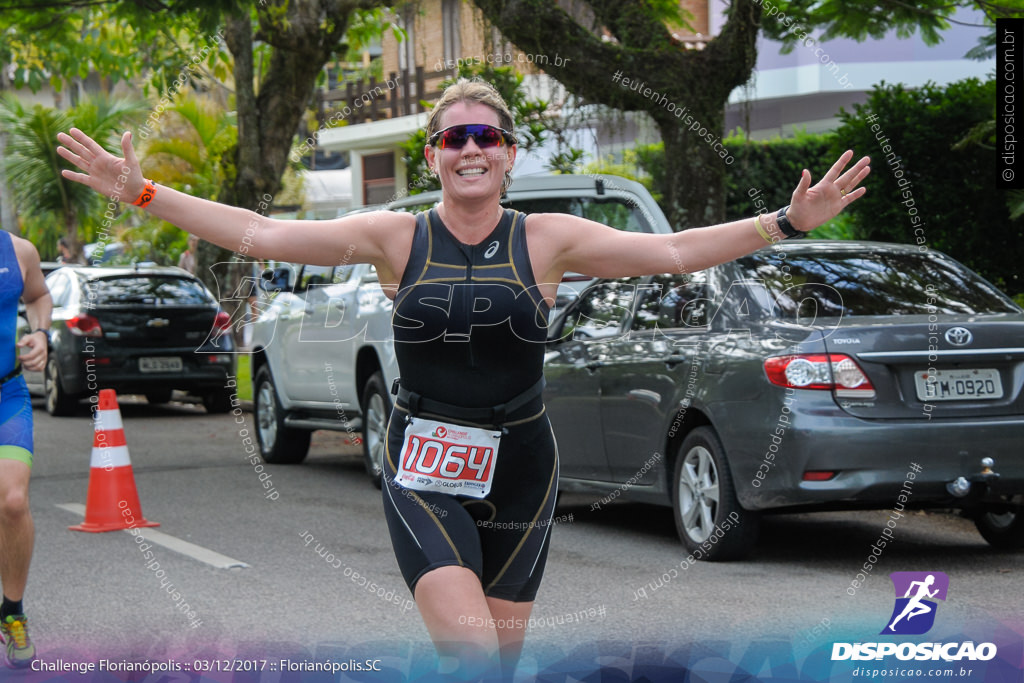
point(474, 91)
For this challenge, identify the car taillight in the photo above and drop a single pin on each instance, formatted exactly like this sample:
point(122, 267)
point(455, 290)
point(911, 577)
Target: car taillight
point(831, 371)
point(85, 326)
point(221, 324)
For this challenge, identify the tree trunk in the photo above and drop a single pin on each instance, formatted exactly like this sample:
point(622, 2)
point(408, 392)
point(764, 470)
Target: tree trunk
point(694, 184)
point(623, 55)
point(303, 35)
point(220, 268)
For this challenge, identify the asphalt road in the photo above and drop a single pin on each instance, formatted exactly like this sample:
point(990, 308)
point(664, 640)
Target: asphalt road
point(97, 595)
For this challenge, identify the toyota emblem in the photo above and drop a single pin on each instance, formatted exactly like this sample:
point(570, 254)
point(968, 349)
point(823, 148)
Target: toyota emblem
point(959, 336)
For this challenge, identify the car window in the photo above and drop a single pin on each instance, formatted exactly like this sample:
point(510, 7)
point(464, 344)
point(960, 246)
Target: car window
point(163, 290)
point(614, 211)
point(59, 287)
point(601, 310)
point(342, 274)
point(416, 208)
point(673, 301)
point(877, 283)
point(314, 276)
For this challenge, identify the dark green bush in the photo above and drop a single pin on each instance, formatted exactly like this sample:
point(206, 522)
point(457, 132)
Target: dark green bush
point(923, 190)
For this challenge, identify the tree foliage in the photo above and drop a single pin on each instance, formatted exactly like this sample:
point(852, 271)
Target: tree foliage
point(592, 47)
point(624, 55)
point(33, 169)
point(760, 179)
point(184, 151)
point(66, 42)
point(277, 50)
point(925, 188)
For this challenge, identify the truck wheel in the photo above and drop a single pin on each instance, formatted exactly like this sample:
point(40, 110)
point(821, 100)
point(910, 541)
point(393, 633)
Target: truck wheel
point(376, 406)
point(279, 445)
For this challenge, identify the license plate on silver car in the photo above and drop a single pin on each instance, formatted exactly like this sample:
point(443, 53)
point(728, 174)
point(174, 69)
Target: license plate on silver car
point(160, 364)
point(958, 385)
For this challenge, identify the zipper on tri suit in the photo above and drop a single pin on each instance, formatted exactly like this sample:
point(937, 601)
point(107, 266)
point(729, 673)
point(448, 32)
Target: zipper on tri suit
point(466, 306)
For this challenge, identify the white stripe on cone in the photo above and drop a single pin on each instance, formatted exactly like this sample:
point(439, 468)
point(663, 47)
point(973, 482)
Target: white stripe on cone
point(109, 457)
point(107, 420)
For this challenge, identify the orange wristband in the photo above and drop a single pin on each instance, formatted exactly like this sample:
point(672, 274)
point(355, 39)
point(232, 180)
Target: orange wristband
point(148, 192)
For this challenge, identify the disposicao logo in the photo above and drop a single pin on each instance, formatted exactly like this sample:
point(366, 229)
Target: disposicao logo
point(914, 614)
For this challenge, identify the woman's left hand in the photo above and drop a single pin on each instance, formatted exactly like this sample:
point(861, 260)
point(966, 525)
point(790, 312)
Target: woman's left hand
point(812, 206)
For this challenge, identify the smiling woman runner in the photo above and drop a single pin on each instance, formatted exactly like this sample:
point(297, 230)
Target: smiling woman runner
point(468, 436)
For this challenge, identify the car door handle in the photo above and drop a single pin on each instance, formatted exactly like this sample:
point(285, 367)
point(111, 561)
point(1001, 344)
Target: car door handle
point(593, 365)
point(673, 359)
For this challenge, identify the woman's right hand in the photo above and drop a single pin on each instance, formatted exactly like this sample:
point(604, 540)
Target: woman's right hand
point(118, 178)
point(382, 238)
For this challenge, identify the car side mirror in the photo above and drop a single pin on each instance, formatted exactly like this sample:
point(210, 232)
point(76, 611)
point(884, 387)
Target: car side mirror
point(556, 326)
point(275, 280)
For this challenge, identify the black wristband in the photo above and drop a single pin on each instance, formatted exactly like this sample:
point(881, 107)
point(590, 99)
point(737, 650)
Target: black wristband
point(46, 332)
point(787, 228)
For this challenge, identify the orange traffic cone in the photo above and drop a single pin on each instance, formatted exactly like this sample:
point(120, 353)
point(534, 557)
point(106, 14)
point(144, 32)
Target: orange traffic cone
point(113, 502)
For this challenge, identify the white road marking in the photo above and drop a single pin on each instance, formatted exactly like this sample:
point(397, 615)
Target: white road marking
point(196, 552)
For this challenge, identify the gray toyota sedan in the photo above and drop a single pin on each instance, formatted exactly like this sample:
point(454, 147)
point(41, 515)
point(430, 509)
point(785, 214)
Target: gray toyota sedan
point(807, 376)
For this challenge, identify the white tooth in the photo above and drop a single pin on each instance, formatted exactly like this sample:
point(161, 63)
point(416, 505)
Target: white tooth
point(472, 171)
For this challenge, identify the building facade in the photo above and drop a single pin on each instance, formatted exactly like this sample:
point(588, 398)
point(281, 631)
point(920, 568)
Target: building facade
point(800, 90)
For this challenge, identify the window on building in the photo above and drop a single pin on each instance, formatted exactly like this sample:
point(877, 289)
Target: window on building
point(378, 178)
point(502, 49)
point(407, 48)
point(450, 26)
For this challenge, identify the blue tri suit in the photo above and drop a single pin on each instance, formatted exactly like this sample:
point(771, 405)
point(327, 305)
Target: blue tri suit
point(15, 403)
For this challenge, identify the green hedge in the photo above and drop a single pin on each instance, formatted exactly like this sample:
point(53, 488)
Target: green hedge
point(924, 187)
point(766, 172)
point(933, 181)
point(763, 175)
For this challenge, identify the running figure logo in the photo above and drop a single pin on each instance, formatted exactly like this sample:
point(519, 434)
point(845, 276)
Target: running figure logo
point(914, 613)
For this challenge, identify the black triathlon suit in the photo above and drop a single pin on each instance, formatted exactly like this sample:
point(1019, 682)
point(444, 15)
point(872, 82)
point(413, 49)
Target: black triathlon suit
point(470, 326)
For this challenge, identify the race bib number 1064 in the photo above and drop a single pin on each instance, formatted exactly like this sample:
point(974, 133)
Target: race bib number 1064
point(447, 458)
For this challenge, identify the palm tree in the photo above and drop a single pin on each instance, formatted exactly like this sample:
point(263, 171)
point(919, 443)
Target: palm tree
point(33, 168)
point(184, 152)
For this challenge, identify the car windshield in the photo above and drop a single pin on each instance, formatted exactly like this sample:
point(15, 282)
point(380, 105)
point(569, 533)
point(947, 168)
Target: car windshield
point(613, 211)
point(153, 290)
point(876, 283)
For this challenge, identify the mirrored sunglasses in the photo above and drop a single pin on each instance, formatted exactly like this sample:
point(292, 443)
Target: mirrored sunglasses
point(456, 137)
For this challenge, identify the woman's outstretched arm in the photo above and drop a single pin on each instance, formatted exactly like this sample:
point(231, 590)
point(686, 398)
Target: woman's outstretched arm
point(355, 239)
point(586, 247)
